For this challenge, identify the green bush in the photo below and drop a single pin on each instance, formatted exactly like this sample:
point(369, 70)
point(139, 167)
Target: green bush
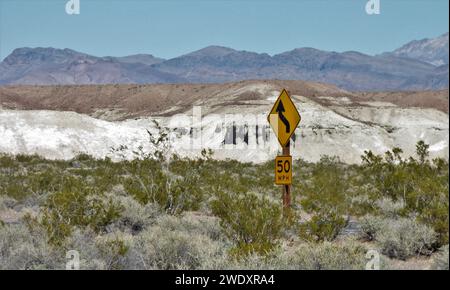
point(174, 194)
point(422, 151)
point(67, 209)
point(323, 227)
point(422, 187)
point(325, 198)
point(113, 251)
point(253, 223)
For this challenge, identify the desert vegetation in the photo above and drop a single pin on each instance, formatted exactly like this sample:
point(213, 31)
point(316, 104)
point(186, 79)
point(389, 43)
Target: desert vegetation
point(177, 213)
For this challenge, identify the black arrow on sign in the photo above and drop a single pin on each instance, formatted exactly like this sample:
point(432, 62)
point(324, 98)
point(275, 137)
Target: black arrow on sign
point(280, 110)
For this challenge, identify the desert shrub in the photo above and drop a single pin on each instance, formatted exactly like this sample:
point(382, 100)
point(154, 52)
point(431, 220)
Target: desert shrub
point(103, 178)
point(159, 248)
point(330, 256)
point(6, 202)
point(67, 209)
point(14, 187)
point(144, 180)
point(84, 241)
point(346, 255)
point(83, 157)
point(421, 186)
point(195, 224)
point(150, 183)
point(31, 180)
point(430, 201)
point(422, 151)
point(113, 249)
point(361, 203)
point(24, 158)
point(277, 259)
point(371, 227)
point(387, 178)
point(389, 208)
point(134, 216)
point(21, 248)
point(405, 238)
point(7, 161)
point(253, 223)
point(322, 227)
point(324, 197)
point(45, 181)
point(399, 238)
point(440, 261)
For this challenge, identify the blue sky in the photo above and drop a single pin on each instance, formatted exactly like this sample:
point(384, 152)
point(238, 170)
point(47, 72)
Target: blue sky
point(169, 28)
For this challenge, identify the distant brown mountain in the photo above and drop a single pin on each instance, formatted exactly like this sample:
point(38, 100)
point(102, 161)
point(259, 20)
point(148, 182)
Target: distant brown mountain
point(117, 102)
point(214, 64)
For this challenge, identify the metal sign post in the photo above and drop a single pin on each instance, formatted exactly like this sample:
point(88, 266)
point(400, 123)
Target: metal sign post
point(287, 187)
point(284, 119)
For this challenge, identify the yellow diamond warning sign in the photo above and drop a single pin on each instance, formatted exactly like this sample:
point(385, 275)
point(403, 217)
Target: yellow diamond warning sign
point(284, 118)
point(283, 170)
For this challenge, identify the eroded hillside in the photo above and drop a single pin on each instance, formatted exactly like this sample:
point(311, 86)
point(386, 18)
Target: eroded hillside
point(232, 118)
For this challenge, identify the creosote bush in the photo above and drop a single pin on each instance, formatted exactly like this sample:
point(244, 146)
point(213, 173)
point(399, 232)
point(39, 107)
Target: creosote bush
point(421, 186)
point(325, 198)
point(253, 223)
point(68, 209)
point(113, 249)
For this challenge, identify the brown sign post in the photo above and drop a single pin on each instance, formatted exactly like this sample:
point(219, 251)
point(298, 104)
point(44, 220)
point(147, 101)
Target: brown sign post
point(287, 187)
point(284, 119)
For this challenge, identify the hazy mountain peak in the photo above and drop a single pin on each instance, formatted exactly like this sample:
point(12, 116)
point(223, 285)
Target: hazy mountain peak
point(431, 50)
point(147, 59)
point(212, 51)
point(303, 50)
point(46, 55)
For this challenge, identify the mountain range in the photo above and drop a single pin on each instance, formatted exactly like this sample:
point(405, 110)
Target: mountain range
point(434, 50)
point(418, 65)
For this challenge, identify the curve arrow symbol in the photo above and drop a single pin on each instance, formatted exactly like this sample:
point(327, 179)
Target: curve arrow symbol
point(280, 110)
